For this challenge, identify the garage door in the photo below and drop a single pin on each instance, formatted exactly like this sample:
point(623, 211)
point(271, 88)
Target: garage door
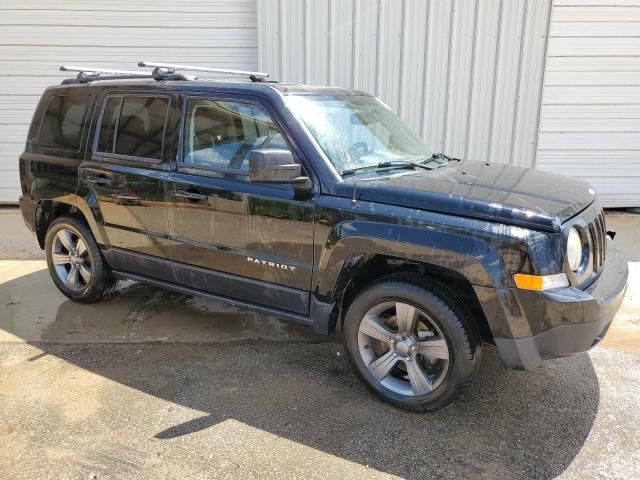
point(590, 117)
point(36, 37)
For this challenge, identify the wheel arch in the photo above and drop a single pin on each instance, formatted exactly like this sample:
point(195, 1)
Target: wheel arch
point(49, 210)
point(362, 270)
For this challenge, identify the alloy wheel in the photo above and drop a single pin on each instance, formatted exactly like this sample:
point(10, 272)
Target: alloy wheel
point(71, 260)
point(403, 348)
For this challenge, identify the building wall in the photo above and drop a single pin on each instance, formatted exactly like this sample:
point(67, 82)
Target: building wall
point(466, 75)
point(469, 76)
point(37, 36)
point(590, 118)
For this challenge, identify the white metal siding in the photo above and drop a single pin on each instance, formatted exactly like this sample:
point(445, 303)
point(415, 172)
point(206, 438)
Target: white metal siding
point(37, 36)
point(464, 74)
point(590, 118)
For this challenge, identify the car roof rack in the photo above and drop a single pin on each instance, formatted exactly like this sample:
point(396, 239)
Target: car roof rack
point(170, 68)
point(92, 74)
point(161, 71)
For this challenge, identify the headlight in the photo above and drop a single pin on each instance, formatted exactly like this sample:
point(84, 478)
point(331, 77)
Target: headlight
point(574, 249)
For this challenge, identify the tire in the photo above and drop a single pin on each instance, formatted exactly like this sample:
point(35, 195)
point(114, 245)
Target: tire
point(411, 344)
point(75, 262)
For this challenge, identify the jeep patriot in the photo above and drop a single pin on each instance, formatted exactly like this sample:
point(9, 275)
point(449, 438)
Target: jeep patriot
point(319, 206)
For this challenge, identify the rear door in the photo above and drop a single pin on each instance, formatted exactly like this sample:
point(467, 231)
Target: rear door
point(243, 240)
point(125, 180)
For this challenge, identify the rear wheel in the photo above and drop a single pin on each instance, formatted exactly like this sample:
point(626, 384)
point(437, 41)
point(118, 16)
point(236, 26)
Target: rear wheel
point(410, 345)
point(75, 262)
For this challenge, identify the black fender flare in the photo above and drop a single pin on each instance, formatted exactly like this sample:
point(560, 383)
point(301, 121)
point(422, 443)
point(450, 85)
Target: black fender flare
point(74, 203)
point(472, 258)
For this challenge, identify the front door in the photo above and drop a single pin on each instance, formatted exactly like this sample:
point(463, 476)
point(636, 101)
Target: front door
point(126, 178)
point(252, 242)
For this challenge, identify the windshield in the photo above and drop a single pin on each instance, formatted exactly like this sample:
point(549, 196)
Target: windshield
point(357, 131)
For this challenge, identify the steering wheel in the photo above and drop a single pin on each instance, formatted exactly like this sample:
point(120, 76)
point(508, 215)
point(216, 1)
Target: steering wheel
point(205, 140)
point(357, 151)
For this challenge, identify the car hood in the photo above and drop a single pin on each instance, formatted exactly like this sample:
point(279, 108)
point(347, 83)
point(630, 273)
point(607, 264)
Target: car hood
point(503, 193)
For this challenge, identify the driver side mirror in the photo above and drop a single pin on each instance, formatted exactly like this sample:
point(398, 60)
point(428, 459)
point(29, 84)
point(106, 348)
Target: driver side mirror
point(275, 165)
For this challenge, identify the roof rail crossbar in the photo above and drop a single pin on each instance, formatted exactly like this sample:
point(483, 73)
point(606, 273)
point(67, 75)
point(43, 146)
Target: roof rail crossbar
point(100, 70)
point(170, 67)
point(90, 74)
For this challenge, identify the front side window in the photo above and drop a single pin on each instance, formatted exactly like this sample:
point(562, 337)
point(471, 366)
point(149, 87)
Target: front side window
point(357, 131)
point(61, 126)
point(133, 126)
point(221, 134)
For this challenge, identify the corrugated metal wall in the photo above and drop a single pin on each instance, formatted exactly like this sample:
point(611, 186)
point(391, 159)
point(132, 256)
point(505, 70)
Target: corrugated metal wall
point(464, 74)
point(37, 36)
point(590, 119)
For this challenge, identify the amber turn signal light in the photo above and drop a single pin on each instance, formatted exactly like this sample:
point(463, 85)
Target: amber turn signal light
point(541, 282)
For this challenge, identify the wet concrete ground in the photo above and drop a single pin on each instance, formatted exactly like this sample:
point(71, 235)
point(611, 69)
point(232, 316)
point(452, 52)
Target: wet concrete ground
point(154, 384)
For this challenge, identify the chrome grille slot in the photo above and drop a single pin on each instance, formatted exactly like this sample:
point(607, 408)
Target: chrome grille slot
point(603, 238)
point(597, 232)
point(595, 247)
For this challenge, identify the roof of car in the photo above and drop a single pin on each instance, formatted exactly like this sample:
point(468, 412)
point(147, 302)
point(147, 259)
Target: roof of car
point(215, 85)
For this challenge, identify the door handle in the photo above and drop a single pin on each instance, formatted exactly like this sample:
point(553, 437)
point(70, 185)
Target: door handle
point(98, 179)
point(127, 198)
point(190, 195)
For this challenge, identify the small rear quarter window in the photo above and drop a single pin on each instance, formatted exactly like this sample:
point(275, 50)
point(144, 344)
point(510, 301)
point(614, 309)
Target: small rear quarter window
point(61, 126)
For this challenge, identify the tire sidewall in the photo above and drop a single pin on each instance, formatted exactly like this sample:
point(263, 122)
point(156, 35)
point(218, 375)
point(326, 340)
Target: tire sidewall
point(457, 335)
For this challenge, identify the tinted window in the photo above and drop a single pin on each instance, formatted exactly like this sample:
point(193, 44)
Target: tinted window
point(221, 134)
point(62, 122)
point(140, 123)
point(141, 127)
point(109, 118)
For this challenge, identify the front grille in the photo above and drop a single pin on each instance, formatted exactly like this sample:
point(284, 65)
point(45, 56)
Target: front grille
point(597, 234)
point(590, 222)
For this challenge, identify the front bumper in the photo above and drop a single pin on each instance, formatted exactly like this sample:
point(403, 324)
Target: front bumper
point(577, 319)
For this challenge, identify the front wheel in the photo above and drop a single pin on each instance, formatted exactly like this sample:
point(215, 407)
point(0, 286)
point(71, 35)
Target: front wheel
point(411, 346)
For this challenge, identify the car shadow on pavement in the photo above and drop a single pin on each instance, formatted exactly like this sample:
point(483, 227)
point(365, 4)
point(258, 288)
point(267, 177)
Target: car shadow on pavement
point(510, 425)
point(297, 385)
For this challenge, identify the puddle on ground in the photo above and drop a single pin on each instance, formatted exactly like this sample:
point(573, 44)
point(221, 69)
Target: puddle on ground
point(33, 310)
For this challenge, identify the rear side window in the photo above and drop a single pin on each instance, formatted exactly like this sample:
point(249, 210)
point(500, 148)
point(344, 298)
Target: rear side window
point(61, 126)
point(133, 126)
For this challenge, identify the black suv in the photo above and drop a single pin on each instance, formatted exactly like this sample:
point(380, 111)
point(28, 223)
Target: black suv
point(319, 206)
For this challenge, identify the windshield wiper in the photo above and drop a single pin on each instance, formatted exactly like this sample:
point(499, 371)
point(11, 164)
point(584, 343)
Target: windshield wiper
point(443, 159)
point(389, 165)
